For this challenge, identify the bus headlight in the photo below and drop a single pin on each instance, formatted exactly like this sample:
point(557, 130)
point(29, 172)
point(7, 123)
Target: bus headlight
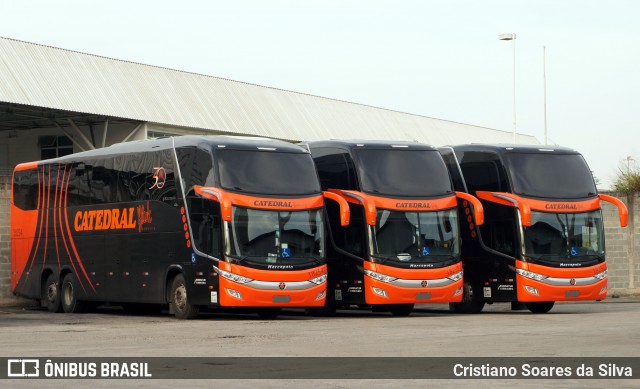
point(531, 275)
point(232, 277)
point(456, 277)
point(601, 276)
point(319, 280)
point(379, 277)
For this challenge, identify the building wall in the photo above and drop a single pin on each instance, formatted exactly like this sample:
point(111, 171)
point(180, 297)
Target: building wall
point(22, 146)
point(623, 247)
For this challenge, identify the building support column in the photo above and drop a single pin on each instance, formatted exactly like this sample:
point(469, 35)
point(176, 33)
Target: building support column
point(70, 136)
point(104, 133)
point(81, 135)
point(132, 133)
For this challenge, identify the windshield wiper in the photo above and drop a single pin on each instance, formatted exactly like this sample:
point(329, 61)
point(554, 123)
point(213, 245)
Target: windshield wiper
point(562, 257)
point(385, 256)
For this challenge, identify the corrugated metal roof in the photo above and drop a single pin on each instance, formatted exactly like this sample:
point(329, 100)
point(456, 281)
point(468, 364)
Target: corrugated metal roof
point(49, 77)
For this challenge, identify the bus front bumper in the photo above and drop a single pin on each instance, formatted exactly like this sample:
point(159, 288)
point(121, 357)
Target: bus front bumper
point(422, 291)
point(272, 294)
point(561, 289)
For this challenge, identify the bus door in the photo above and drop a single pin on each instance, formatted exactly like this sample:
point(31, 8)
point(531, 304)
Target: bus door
point(345, 259)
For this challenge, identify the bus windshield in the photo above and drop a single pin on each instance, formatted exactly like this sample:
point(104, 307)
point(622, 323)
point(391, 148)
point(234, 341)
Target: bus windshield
point(275, 237)
point(564, 237)
point(416, 236)
point(267, 172)
point(404, 173)
point(551, 176)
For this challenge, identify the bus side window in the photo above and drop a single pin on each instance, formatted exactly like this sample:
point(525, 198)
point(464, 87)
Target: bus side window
point(335, 169)
point(205, 224)
point(102, 184)
point(25, 189)
point(82, 184)
point(454, 170)
point(483, 171)
point(202, 169)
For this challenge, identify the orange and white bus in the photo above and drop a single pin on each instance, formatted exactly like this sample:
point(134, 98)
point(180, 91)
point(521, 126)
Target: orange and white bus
point(543, 236)
point(402, 246)
point(193, 221)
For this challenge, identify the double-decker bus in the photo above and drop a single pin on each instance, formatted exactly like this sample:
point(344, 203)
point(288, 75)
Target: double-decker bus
point(543, 236)
point(192, 221)
point(402, 246)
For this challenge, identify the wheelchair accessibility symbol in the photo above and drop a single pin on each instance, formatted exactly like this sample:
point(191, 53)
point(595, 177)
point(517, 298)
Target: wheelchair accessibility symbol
point(574, 251)
point(426, 251)
point(286, 252)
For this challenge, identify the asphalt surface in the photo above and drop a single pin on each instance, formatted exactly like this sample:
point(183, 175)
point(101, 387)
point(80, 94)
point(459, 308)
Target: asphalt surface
point(589, 329)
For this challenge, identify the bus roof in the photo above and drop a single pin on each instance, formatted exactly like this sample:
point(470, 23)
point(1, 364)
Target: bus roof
point(505, 148)
point(221, 141)
point(369, 144)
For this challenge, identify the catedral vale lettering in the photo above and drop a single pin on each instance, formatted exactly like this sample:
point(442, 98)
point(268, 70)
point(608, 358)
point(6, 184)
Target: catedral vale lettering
point(104, 219)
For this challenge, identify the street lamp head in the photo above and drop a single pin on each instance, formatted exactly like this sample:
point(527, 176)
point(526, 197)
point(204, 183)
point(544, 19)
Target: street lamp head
point(507, 37)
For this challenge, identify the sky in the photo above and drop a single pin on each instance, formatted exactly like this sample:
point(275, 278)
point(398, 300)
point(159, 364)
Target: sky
point(440, 59)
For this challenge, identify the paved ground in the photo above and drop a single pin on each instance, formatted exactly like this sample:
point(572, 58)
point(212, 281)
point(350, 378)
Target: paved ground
point(604, 329)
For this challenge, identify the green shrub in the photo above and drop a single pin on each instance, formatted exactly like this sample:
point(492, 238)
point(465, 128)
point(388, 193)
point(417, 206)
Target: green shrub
point(627, 181)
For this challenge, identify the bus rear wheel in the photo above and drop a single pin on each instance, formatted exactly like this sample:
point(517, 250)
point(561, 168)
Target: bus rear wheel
point(69, 295)
point(51, 294)
point(542, 307)
point(181, 307)
point(471, 303)
point(401, 309)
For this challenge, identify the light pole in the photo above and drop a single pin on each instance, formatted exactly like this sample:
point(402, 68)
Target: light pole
point(512, 37)
point(544, 76)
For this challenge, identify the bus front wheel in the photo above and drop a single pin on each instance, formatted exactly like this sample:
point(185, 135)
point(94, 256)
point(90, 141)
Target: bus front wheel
point(471, 302)
point(181, 307)
point(542, 307)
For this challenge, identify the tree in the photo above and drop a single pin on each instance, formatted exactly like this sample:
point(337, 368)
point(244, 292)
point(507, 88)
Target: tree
point(628, 178)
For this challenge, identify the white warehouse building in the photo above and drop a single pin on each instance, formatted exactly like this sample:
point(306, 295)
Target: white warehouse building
point(55, 101)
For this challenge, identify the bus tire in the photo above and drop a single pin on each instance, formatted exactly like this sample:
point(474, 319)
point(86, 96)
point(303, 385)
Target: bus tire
point(327, 310)
point(69, 295)
point(51, 294)
point(401, 309)
point(541, 307)
point(268, 313)
point(182, 308)
point(471, 303)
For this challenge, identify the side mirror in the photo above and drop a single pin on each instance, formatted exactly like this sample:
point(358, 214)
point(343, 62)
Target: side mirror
point(218, 195)
point(345, 213)
point(478, 209)
point(511, 200)
point(370, 210)
point(623, 212)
